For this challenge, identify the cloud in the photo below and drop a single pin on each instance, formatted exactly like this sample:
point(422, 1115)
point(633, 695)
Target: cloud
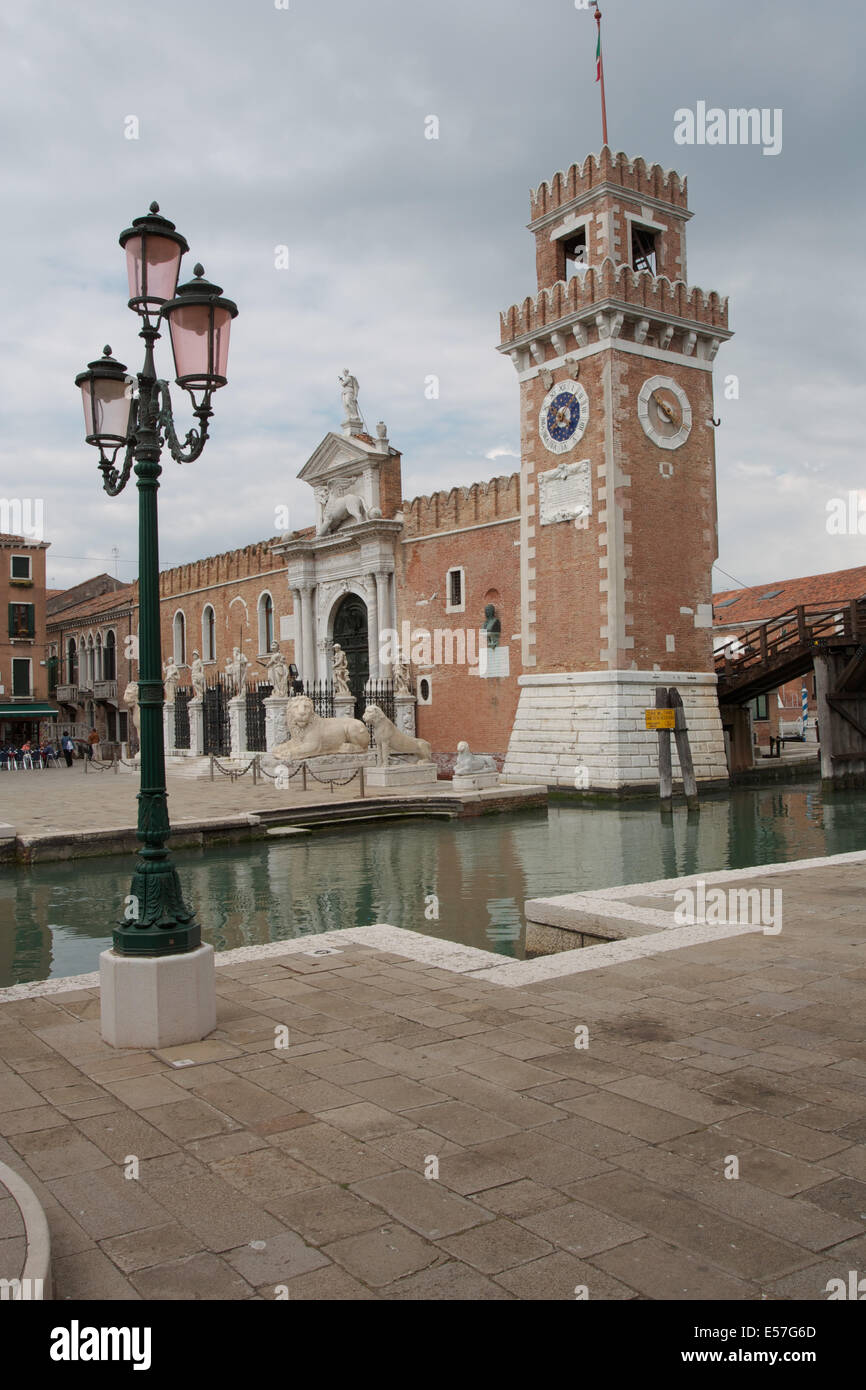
point(305, 127)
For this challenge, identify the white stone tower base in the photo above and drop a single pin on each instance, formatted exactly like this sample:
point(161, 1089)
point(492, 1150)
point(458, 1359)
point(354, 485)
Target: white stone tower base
point(586, 730)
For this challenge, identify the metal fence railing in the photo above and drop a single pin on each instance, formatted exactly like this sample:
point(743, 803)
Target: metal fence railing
point(182, 697)
point(255, 698)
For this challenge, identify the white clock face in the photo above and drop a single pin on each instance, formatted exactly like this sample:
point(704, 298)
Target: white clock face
point(664, 412)
point(563, 417)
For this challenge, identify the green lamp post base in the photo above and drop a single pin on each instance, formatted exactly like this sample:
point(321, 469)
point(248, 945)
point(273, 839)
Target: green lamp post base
point(159, 922)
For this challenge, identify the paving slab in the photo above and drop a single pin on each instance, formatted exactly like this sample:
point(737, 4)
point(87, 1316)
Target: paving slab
point(303, 1172)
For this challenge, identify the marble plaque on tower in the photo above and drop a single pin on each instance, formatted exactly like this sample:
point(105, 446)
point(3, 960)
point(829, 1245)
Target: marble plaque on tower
point(565, 493)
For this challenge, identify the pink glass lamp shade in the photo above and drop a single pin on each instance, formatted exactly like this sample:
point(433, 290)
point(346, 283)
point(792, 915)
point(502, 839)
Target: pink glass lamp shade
point(199, 320)
point(153, 252)
point(106, 392)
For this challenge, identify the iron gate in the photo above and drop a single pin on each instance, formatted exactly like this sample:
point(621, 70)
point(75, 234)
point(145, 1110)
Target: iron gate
point(256, 696)
point(182, 697)
point(380, 693)
point(217, 729)
point(322, 695)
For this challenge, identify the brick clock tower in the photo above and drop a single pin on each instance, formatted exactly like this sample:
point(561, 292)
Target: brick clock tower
point(614, 356)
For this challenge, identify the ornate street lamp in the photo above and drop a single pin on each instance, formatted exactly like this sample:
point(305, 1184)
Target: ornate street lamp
point(136, 415)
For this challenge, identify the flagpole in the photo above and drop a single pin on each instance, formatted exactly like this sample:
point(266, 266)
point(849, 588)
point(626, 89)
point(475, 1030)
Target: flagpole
point(600, 74)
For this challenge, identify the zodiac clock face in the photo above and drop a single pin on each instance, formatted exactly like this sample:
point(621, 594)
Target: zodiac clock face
point(664, 412)
point(563, 417)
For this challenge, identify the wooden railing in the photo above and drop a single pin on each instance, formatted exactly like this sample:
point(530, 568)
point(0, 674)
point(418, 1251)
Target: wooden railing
point(784, 636)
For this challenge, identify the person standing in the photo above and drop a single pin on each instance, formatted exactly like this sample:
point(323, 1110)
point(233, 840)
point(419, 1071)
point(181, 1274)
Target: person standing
point(68, 749)
point(92, 744)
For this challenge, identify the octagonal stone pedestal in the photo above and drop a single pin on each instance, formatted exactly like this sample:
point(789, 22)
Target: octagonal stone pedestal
point(402, 775)
point(474, 781)
point(157, 1001)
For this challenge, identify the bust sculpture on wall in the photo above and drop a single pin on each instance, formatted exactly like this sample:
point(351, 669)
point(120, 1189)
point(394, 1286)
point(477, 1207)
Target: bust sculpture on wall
point(492, 626)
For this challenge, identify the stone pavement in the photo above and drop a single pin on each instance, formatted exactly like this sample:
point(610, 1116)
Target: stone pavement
point(235, 1168)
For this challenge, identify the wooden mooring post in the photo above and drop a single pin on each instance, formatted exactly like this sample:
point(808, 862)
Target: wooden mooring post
point(684, 751)
point(671, 700)
point(666, 781)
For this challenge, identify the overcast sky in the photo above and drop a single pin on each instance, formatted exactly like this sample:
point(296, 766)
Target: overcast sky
point(261, 126)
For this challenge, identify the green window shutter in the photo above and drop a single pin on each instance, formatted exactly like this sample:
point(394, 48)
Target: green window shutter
point(31, 620)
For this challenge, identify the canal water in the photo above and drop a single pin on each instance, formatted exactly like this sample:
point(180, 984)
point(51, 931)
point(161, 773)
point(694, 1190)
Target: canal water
point(463, 881)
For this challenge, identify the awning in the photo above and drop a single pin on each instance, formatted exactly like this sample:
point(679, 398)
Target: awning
point(28, 712)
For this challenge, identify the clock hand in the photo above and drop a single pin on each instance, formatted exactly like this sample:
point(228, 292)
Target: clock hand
point(664, 408)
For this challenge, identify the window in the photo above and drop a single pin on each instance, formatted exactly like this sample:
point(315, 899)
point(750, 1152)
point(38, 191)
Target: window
point(266, 622)
point(179, 632)
point(760, 709)
point(425, 691)
point(97, 670)
point(71, 663)
point(109, 657)
point(20, 568)
point(643, 248)
point(575, 254)
point(455, 597)
point(20, 675)
point(208, 634)
point(22, 620)
point(122, 732)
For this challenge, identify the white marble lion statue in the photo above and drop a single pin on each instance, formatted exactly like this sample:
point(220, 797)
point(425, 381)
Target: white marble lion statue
point(390, 739)
point(469, 763)
point(310, 735)
point(340, 507)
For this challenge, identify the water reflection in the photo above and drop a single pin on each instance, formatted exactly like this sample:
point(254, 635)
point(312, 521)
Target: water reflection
point(462, 881)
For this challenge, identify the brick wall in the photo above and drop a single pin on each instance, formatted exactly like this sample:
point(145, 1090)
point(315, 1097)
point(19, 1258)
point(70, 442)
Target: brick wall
point(232, 583)
point(467, 706)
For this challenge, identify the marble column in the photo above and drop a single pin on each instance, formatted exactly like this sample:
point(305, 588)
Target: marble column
point(196, 727)
point(309, 672)
point(238, 725)
point(383, 608)
point(298, 616)
point(168, 728)
point(373, 626)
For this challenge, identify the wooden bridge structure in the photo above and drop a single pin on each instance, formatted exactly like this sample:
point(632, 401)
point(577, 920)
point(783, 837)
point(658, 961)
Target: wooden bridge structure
point(829, 639)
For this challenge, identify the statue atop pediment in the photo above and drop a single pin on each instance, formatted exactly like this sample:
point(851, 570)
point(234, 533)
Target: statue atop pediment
point(350, 388)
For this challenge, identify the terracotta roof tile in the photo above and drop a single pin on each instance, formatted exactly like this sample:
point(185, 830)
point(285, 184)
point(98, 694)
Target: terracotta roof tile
point(768, 600)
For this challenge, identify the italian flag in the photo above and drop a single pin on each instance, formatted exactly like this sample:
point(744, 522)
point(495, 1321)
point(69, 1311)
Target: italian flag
point(598, 57)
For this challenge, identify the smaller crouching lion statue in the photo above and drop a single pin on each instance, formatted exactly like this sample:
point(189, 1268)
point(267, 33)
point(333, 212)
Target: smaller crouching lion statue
point(311, 736)
point(468, 763)
point(390, 739)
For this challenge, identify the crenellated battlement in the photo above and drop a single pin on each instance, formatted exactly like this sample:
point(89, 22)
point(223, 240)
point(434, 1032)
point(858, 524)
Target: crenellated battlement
point(652, 294)
point(245, 563)
point(646, 180)
point(463, 506)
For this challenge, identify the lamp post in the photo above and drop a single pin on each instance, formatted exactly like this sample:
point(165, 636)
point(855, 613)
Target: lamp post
point(135, 415)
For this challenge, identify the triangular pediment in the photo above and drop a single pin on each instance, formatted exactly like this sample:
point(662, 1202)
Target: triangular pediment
point(335, 457)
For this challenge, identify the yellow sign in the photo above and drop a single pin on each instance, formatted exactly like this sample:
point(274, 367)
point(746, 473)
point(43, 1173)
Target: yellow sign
point(661, 718)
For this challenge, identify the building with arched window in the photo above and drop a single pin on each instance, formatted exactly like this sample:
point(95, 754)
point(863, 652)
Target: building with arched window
point(266, 623)
point(179, 638)
point(208, 633)
point(95, 634)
